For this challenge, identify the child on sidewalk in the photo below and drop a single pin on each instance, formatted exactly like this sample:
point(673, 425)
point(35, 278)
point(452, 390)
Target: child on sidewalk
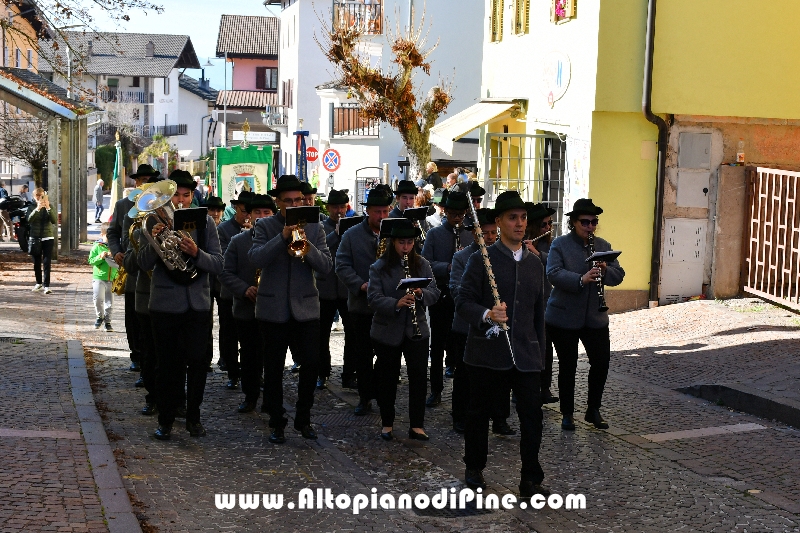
point(102, 276)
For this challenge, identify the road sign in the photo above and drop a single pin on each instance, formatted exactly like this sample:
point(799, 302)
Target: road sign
point(331, 160)
point(312, 154)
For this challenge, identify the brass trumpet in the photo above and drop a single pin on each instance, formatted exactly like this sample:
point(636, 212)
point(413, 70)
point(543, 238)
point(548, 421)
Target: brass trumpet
point(299, 246)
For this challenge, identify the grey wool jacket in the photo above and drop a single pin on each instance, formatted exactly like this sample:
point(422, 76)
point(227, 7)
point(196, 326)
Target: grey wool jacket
point(521, 288)
point(571, 306)
point(226, 231)
point(287, 288)
point(329, 285)
point(440, 246)
point(239, 274)
point(118, 226)
point(456, 273)
point(131, 264)
point(390, 325)
point(166, 296)
point(355, 255)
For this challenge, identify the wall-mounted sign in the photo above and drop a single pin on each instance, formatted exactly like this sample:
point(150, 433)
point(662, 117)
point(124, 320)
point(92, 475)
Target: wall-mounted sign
point(165, 101)
point(555, 77)
point(256, 136)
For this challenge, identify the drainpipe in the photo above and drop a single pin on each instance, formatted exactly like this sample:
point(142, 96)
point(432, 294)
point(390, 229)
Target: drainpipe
point(202, 122)
point(663, 136)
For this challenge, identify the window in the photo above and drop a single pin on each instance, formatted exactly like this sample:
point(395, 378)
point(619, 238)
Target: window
point(30, 59)
point(267, 78)
point(288, 97)
point(113, 83)
point(522, 16)
point(135, 82)
point(496, 18)
point(18, 59)
point(136, 115)
point(166, 86)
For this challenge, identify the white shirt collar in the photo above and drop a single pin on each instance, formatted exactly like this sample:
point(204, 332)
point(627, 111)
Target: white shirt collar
point(518, 254)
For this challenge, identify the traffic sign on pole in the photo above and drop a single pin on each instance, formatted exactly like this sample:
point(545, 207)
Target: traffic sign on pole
point(331, 160)
point(312, 154)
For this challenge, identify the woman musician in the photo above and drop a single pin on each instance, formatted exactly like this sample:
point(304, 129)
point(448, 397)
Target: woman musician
point(574, 309)
point(399, 327)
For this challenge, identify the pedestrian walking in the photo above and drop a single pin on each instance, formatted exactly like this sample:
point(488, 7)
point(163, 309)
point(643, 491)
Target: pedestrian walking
point(98, 200)
point(42, 219)
point(102, 276)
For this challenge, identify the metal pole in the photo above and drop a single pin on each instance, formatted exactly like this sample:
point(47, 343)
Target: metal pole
point(410, 14)
point(225, 104)
point(52, 173)
point(66, 158)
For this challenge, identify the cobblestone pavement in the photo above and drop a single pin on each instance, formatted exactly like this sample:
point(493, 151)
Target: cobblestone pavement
point(745, 481)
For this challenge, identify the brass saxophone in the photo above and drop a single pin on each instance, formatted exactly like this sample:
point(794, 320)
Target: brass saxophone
point(413, 308)
point(601, 291)
point(382, 244)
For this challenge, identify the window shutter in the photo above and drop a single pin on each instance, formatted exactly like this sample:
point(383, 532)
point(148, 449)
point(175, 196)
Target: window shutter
point(497, 20)
point(261, 77)
point(526, 27)
point(571, 8)
point(291, 94)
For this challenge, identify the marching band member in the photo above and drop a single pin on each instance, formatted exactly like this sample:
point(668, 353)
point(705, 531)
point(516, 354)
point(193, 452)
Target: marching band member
point(513, 356)
point(240, 279)
point(573, 310)
point(399, 328)
point(183, 310)
point(333, 298)
point(215, 207)
point(405, 195)
point(287, 306)
point(441, 243)
point(357, 251)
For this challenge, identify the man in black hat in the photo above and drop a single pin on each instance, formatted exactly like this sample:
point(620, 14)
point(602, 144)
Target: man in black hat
point(476, 192)
point(333, 297)
point(309, 194)
point(117, 234)
point(491, 363)
point(184, 307)
point(405, 195)
point(215, 207)
point(239, 279)
point(287, 306)
point(357, 251)
point(440, 245)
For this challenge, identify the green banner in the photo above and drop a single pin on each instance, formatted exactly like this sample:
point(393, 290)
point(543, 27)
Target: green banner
point(240, 169)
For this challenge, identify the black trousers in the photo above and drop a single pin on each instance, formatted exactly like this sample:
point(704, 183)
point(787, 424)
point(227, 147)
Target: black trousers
point(252, 358)
point(485, 386)
point(43, 259)
point(148, 361)
point(361, 325)
point(327, 312)
point(499, 411)
point(228, 338)
point(598, 349)
point(441, 314)
point(303, 339)
point(388, 370)
point(180, 340)
point(547, 372)
point(132, 330)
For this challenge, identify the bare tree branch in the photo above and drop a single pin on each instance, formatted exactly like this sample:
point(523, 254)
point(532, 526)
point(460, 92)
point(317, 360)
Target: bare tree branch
point(24, 137)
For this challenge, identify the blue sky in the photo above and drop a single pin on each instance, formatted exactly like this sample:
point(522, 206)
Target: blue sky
point(197, 18)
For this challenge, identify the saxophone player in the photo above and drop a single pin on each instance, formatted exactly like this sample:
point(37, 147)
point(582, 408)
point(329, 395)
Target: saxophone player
point(287, 306)
point(441, 243)
point(175, 307)
point(573, 309)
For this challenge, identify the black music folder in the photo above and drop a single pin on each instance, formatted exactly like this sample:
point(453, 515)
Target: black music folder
point(192, 219)
point(416, 213)
point(414, 283)
point(302, 215)
point(345, 224)
point(608, 256)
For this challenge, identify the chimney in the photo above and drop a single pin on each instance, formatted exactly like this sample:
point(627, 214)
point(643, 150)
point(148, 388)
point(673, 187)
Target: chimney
point(149, 49)
point(203, 83)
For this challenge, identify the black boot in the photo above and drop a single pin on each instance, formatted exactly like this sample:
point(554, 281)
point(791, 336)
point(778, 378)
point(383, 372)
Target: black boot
point(593, 417)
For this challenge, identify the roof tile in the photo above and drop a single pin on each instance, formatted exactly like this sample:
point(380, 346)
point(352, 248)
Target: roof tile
point(248, 36)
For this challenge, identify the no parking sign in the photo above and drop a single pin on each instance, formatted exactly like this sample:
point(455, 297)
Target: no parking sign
point(331, 160)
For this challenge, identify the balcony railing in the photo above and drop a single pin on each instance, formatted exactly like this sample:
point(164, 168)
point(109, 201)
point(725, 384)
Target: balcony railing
point(276, 115)
point(367, 16)
point(134, 97)
point(347, 121)
point(145, 131)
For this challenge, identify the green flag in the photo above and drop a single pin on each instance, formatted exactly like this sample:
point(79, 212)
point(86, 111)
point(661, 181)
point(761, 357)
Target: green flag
point(243, 169)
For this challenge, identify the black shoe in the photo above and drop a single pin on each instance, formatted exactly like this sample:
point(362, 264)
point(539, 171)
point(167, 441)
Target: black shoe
point(180, 412)
point(502, 428)
point(474, 479)
point(139, 383)
point(149, 409)
point(246, 407)
point(135, 366)
point(163, 432)
point(459, 427)
point(232, 384)
point(308, 432)
point(295, 368)
point(413, 435)
point(547, 397)
point(433, 400)
point(567, 424)
point(222, 366)
point(387, 435)
point(593, 416)
point(363, 408)
point(98, 323)
point(449, 372)
point(108, 327)
point(195, 429)
point(322, 383)
point(277, 437)
point(350, 383)
point(528, 489)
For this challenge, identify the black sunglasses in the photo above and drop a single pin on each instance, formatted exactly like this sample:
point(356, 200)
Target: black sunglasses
point(546, 224)
point(586, 223)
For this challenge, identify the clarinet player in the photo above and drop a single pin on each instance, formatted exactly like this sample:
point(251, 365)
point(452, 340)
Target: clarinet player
point(574, 309)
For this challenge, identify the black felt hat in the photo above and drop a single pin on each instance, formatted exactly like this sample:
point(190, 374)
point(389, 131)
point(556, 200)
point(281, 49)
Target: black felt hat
point(506, 201)
point(486, 216)
point(475, 189)
point(214, 202)
point(261, 201)
point(337, 198)
point(388, 225)
point(406, 187)
point(379, 196)
point(308, 189)
point(243, 198)
point(144, 170)
point(183, 179)
point(584, 206)
point(287, 182)
point(456, 200)
point(405, 232)
point(538, 211)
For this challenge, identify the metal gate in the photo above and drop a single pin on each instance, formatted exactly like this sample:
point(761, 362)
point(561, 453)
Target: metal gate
point(771, 251)
point(366, 179)
point(534, 165)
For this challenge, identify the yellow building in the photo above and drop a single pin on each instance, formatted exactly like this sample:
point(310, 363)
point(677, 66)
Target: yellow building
point(561, 118)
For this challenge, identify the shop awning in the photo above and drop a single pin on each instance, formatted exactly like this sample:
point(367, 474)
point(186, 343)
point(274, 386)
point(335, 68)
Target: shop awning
point(448, 131)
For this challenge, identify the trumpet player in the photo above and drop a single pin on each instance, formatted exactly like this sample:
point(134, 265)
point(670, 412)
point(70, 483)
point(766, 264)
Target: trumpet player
point(573, 309)
point(287, 305)
point(239, 279)
point(399, 328)
point(441, 243)
point(175, 307)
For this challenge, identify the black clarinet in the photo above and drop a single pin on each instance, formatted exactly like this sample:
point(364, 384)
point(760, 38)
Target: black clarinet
point(601, 290)
point(417, 334)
